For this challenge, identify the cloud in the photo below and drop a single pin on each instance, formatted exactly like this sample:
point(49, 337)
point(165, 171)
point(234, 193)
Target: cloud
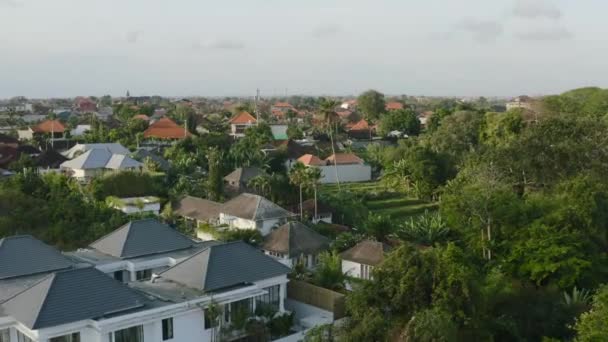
point(324, 31)
point(483, 31)
point(533, 9)
point(220, 44)
point(546, 34)
point(10, 3)
point(133, 36)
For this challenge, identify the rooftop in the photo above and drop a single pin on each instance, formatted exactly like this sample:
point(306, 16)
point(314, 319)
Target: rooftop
point(243, 118)
point(24, 255)
point(366, 252)
point(294, 239)
point(253, 207)
point(198, 208)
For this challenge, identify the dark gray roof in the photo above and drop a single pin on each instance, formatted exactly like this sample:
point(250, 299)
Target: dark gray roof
point(24, 255)
point(294, 239)
point(71, 296)
point(140, 238)
point(253, 207)
point(243, 175)
point(223, 266)
point(141, 155)
point(198, 208)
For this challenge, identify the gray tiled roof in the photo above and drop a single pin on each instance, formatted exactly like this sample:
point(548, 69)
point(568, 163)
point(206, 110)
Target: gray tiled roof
point(140, 238)
point(243, 175)
point(141, 155)
point(101, 158)
point(253, 207)
point(115, 148)
point(24, 255)
point(198, 208)
point(294, 239)
point(70, 296)
point(222, 266)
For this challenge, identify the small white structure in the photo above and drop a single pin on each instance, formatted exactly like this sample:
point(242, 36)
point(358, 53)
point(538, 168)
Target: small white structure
point(80, 130)
point(97, 162)
point(345, 167)
point(294, 243)
point(249, 211)
point(136, 205)
point(360, 260)
point(240, 123)
point(520, 102)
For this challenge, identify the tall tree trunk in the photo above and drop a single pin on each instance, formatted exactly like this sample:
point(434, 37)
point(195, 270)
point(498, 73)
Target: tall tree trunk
point(483, 245)
point(333, 150)
point(301, 210)
point(489, 234)
point(316, 201)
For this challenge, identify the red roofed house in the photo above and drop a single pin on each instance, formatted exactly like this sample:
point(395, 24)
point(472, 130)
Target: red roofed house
point(282, 106)
point(345, 167)
point(166, 128)
point(361, 130)
point(240, 123)
point(85, 105)
point(50, 127)
point(394, 106)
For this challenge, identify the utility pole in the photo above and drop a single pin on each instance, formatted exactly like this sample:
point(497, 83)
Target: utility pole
point(257, 97)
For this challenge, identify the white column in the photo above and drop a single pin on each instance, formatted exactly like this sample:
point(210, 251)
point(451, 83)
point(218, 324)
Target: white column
point(283, 294)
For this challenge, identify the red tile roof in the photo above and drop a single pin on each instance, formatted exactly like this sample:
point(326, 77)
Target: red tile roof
point(166, 128)
point(344, 158)
point(243, 118)
point(394, 106)
point(362, 125)
point(49, 126)
point(283, 105)
point(344, 114)
point(310, 160)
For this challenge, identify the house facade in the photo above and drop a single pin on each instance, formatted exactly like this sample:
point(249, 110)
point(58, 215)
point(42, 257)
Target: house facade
point(249, 211)
point(360, 260)
point(240, 122)
point(97, 162)
point(294, 243)
point(343, 167)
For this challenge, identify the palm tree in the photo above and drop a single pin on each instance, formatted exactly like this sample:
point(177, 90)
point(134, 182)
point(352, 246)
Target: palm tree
point(261, 183)
point(327, 109)
point(297, 176)
point(313, 175)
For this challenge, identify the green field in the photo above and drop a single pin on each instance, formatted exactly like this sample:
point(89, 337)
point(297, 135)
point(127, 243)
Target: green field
point(393, 204)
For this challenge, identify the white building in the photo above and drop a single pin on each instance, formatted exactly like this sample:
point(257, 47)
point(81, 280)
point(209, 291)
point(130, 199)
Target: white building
point(240, 123)
point(294, 243)
point(249, 211)
point(79, 149)
point(360, 260)
point(136, 205)
point(97, 162)
point(345, 167)
point(47, 297)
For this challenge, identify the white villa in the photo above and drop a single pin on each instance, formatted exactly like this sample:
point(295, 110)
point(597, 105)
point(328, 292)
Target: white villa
point(165, 288)
point(96, 162)
point(345, 167)
point(360, 260)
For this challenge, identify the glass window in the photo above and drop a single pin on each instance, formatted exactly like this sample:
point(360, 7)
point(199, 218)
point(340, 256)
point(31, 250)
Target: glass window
point(74, 337)
point(167, 329)
point(242, 307)
point(118, 275)
point(208, 322)
point(22, 338)
point(132, 334)
point(143, 275)
point(5, 335)
point(271, 298)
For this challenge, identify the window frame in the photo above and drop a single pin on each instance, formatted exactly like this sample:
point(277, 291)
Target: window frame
point(167, 329)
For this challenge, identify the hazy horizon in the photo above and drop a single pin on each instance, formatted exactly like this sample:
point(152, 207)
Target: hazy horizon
point(503, 48)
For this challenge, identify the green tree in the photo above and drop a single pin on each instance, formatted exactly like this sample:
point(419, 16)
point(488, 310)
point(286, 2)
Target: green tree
point(215, 182)
point(378, 226)
point(591, 326)
point(328, 273)
point(372, 104)
point(403, 120)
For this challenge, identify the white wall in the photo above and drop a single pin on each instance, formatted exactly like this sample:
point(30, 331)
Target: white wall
point(346, 173)
point(264, 226)
point(148, 207)
point(352, 269)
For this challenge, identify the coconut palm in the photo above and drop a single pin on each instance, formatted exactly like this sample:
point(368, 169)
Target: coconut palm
point(327, 109)
point(313, 176)
point(261, 184)
point(297, 177)
point(426, 229)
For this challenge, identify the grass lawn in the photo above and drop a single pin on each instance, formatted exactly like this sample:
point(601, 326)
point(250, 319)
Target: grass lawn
point(396, 205)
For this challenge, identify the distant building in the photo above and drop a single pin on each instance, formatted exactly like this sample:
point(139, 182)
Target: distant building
point(360, 260)
point(523, 102)
point(238, 180)
point(166, 129)
point(394, 106)
point(350, 104)
point(80, 130)
point(53, 128)
point(79, 149)
point(85, 105)
point(240, 122)
point(249, 211)
point(345, 167)
point(96, 162)
point(136, 205)
point(294, 243)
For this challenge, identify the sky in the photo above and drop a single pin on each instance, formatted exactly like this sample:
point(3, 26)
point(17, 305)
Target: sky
point(65, 48)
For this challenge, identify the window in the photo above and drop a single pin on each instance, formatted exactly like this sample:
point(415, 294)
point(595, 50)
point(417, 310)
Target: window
point(366, 272)
point(272, 298)
point(118, 275)
point(132, 334)
point(74, 337)
point(208, 322)
point(167, 329)
point(143, 275)
point(22, 338)
point(5, 335)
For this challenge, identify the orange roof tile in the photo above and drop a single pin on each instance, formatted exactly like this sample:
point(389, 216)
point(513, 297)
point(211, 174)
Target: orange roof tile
point(310, 160)
point(394, 106)
point(362, 125)
point(164, 122)
point(49, 126)
point(344, 114)
point(283, 104)
point(344, 158)
point(243, 118)
point(166, 128)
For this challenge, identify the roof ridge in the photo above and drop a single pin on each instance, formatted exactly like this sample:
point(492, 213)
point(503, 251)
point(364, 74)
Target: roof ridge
point(257, 207)
point(52, 277)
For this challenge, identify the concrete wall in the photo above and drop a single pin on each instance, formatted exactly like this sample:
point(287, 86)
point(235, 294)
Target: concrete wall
point(346, 173)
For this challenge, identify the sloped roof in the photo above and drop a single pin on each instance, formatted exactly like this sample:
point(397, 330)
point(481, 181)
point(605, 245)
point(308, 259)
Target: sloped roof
point(366, 252)
point(282, 105)
point(243, 118)
point(140, 238)
point(344, 158)
point(295, 150)
point(394, 105)
point(294, 239)
point(142, 117)
point(253, 207)
point(7, 139)
point(361, 125)
point(223, 266)
point(141, 155)
point(311, 160)
point(166, 128)
point(49, 126)
point(49, 158)
point(24, 255)
point(115, 148)
point(244, 174)
point(198, 208)
point(100, 158)
point(71, 296)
